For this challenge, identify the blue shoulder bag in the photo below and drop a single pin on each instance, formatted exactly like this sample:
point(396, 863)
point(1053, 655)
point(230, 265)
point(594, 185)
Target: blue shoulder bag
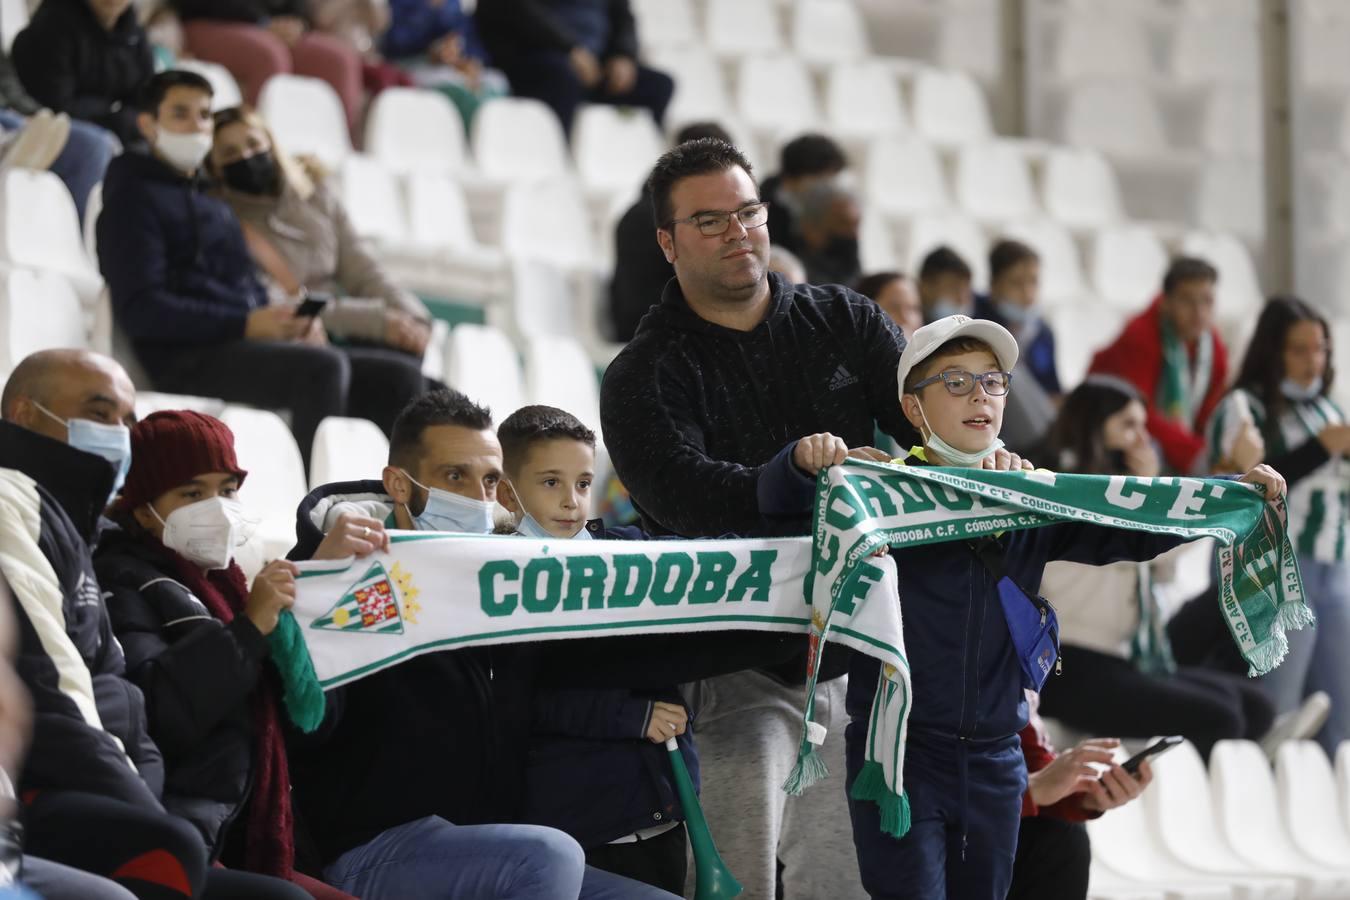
point(1031, 619)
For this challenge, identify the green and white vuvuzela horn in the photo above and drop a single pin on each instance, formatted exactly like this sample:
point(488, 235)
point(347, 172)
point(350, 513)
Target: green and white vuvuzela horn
point(712, 879)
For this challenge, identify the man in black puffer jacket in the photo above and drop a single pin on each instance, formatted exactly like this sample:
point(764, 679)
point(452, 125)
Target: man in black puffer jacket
point(87, 58)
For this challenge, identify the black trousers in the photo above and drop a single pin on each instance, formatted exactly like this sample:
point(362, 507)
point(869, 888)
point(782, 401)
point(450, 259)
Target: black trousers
point(548, 76)
point(1106, 695)
point(659, 862)
point(1053, 857)
point(312, 382)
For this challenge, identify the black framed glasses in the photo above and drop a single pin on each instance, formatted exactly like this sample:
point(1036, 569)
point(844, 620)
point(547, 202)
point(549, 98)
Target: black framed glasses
point(711, 224)
point(959, 382)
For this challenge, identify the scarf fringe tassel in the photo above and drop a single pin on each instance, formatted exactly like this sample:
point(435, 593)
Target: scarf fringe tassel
point(871, 785)
point(809, 769)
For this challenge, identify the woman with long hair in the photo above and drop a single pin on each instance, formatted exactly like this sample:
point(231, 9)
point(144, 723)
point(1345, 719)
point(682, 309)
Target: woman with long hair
point(1121, 677)
point(1283, 388)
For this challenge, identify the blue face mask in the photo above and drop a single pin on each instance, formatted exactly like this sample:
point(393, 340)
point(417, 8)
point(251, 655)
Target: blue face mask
point(446, 511)
point(944, 307)
point(529, 526)
point(112, 442)
point(1292, 390)
point(1015, 314)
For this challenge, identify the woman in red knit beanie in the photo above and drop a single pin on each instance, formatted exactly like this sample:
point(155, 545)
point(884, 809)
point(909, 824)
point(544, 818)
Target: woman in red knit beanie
point(195, 638)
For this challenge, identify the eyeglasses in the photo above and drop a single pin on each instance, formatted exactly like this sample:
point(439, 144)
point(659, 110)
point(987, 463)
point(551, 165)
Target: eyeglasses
point(959, 383)
point(711, 224)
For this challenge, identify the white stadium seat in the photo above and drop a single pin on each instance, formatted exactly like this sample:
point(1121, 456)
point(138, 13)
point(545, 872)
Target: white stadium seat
point(276, 475)
point(548, 220)
point(700, 91)
point(306, 117)
point(1223, 49)
point(666, 23)
point(38, 311)
point(775, 96)
point(41, 230)
point(1119, 118)
point(1231, 123)
point(438, 214)
point(743, 27)
point(148, 402)
point(615, 148)
point(1079, 188)
point(516, 138)
point(903, 176)
point(1238, 293)
point(955, 230)
point(993, 182)
point(442, 257)
point(481, 362)
point(411, 130)
point(559, 372)
point(862, 100)
point(225, 93)
point(876, 244)
point(950, 108)
point(1249, 817)
point(347, 450)
point(1100, 45)
point(1306, 785)
point(1061, 268)
point(825, 31)
point(1081, 329)
point(1231, 197)
point(1343, 760)
point(13, 19)
point(1126, 266)
point(373, 201)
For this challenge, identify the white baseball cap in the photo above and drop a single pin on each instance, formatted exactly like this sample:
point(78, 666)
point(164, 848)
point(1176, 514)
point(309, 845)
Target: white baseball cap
point(926, 341)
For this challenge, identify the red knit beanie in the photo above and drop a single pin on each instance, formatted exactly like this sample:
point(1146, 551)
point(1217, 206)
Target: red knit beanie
point(173, 447)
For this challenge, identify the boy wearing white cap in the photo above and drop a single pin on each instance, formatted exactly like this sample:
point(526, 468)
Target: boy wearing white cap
point(964, 770)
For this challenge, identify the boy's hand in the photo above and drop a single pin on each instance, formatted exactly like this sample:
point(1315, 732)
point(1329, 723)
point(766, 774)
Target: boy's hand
point(872, 454)
point(1005, 461)
point(668, 721)
point(1268, 478)
point(817, 451)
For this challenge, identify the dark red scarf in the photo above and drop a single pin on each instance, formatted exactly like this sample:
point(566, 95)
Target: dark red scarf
point(269, 837)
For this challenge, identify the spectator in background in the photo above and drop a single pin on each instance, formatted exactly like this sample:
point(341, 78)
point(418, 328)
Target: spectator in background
point(256, 39)
point(894, 292)
point(87, 58)
point(828, 216)
point(299, 235)
point(187, 294)
point(569, 52)
point(437, 44)
point(1283, 388)
point(1173, 354)
point(81, 161)
point(803, 162)
point(785, 263)
point(1111, 625)
point(195, 638)
point(944, 285)
point(640, 268)
point(1014, 287)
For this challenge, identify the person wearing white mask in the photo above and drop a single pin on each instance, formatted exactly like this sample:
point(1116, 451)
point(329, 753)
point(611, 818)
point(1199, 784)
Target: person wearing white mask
point(183, 287)
point(195, 637)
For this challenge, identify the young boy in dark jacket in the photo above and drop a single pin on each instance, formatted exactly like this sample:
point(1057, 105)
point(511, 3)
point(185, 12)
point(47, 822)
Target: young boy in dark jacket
point(597, 766)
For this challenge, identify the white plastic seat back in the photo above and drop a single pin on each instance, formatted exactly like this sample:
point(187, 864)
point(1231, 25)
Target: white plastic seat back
point(38, 311)
point(1322, 62)
point(828, 30)
point(13, 19)
point(276, 473)
point(517, 138)
point(438, 213)
point(1079, 188)
point(347, 450)
point(410, 130)
point(1231, 123)
point(615, 148)
point(481, 362)
point(1126, 264)
point(1343, 751)
point(1181, 810)
point(1231, 197)
point(863, 98)
point(1306, 785)
point(1061, 268)
point(1215, 50)
point(225, 93)
point(548, 220)
point(700, 91)
point(666, 23)
point(743, 27)
point(1081, 329)
point(876, 244)
point(373, 200)
point(41, 228)
point(153, 401)
point(950, 108)
point(993, 182)
point(776, 94)
point(543, 300)
point(955, 230)
point(1113, 117)
point(903, 176)
point(559, 372)
point(1097, 46)
point(1238, 293)
point(306, 117)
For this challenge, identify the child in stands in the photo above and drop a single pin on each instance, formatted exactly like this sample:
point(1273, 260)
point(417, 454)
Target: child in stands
point(597, 765)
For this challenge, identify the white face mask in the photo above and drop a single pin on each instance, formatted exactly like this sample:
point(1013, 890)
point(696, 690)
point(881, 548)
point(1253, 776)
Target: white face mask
point(949, 453)
point(184, 152)
point(206, 532)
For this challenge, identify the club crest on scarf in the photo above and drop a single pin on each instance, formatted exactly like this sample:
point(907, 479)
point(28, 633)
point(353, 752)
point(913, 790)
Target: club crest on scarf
point(371, 605)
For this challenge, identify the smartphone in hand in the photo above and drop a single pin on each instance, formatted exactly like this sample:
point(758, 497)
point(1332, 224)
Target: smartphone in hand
point(311, 306)
point(1131, 765)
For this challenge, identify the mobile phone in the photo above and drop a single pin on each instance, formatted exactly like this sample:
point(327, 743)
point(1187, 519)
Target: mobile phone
point(312, 306)
point(1131, 765)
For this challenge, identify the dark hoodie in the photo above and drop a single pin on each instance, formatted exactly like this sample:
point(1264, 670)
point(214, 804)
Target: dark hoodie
point(69, 62)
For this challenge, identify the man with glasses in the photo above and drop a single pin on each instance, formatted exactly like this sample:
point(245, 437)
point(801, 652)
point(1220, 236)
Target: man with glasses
point(734, 384)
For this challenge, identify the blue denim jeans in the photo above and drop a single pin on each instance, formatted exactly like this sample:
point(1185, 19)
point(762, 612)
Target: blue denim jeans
point(431, 859)
point(1317, 659)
